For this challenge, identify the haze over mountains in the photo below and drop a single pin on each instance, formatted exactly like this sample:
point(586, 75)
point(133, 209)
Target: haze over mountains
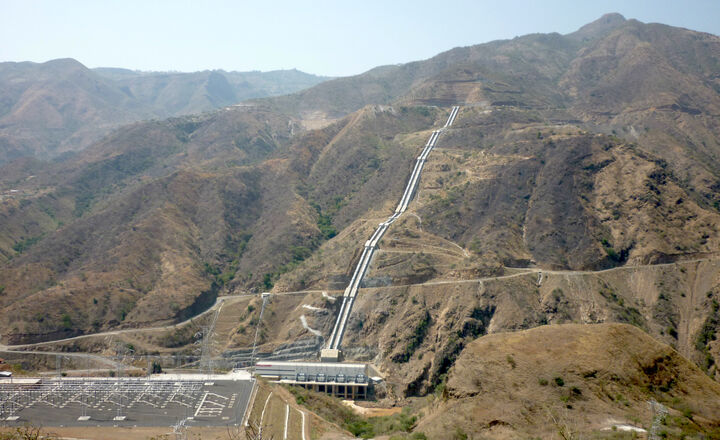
point(59, 106)
point(579, 184)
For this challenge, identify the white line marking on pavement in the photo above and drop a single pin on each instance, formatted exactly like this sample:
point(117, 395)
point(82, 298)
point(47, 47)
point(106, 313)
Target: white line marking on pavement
point(201, 404)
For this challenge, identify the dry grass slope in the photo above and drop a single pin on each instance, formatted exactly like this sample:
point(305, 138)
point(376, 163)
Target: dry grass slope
point(582, 378)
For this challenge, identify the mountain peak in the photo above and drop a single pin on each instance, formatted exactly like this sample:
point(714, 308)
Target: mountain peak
point(65, 65)
point(611, 17)
point(599, 27)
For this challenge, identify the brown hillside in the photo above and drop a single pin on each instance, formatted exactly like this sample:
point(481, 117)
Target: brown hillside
point(232, 215)
point(578, 379)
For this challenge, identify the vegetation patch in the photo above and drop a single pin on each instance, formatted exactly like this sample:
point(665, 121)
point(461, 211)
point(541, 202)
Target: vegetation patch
point(298, 255)
point(617, 257)
point(665, 312)
point(325, 219)
point(332, 409)
point(300, 252)
point(627, 314)
point(416, 339)
point(707, 334)
point(22, 245)
point(27, 432)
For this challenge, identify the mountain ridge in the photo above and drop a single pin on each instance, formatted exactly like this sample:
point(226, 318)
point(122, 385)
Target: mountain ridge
point(59, 106)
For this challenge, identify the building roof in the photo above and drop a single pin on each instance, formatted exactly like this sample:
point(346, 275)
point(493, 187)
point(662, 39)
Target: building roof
point(309, 364)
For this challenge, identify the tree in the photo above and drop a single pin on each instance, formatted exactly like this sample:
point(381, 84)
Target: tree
point(156, 368)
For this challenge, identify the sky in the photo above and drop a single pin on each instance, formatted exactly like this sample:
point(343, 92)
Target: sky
point(332, 38)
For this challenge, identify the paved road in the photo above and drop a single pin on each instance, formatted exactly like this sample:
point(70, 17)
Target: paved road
point(534, 271)
point(369, 249)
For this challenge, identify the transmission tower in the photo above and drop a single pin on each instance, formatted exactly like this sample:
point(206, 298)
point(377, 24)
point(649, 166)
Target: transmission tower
point(206, 361)
point(180, 430)
point(659, 412)
point(205, 355)
point(265, 296)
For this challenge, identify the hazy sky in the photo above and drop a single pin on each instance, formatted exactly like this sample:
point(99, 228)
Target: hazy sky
point(322, 37)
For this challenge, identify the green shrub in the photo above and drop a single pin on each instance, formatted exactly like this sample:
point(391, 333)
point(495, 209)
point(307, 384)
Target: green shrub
point(332, 409)
point(324, 221)
point(559, 381)
point(361, 428)
point(707, 334)
point(22, 245)
point(268, 281)
point(66, 321)
point(459, 434)
point(415, 340)
point(441, 384)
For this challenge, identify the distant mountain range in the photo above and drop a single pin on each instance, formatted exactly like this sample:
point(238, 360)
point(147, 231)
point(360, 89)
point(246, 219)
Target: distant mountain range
point(60, 106)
